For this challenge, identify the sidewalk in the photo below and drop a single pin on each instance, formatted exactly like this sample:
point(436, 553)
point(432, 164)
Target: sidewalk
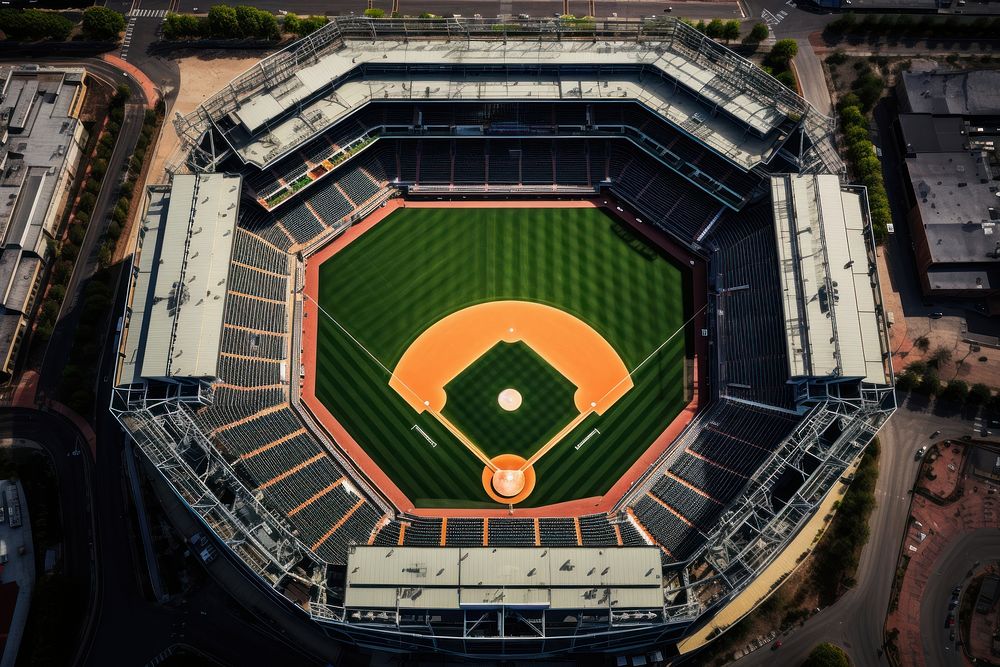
point(149, 89)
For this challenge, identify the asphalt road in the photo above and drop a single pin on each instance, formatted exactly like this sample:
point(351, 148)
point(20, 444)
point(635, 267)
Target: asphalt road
point(60, 343)
point(73, 467)
point(950, 570)
point(855, 621)
point(128, 627)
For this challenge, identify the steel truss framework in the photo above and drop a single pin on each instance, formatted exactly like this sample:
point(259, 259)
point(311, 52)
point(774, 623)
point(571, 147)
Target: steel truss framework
point(751, 533)
point(203, 145)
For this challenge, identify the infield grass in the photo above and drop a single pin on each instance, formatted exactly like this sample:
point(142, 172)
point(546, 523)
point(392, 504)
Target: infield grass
point(547, 401)
point(419, 265)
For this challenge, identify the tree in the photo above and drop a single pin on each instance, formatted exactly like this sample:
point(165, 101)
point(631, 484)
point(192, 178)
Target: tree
point(34, 24)
point(868, 88)
point(257, 23)
point(868, 167)
point(930, 382)
point(222, 22)
point(99, 168)
point(731, 30)
point(86, 202)
point(955, 392)
point(787, 78)
point(102, 23)
point(714, 28)
point(856, 134)
point(312, 24)
point(783, 51)
point(827, 655)
point(979, 394)
point(375, 13)
point(852, 116)
point(939, 357)
point(922, 343)
point(758, 33)
point(907, 381)
point(993, 406)
point(176, 26)
point(292, 23)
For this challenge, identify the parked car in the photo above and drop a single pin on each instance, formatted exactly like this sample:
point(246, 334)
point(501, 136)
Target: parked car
point(920, 453)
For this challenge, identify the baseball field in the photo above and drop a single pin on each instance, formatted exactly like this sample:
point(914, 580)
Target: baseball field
point(420, 265)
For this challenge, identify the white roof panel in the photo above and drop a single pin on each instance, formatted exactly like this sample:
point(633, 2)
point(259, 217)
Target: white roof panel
point(185, 315)
point(825, 268)
point(450, 577)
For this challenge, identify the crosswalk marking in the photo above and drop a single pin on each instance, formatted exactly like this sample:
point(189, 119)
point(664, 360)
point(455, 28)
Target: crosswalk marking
point(148, 13)
point(773, 19)
point(127, 40)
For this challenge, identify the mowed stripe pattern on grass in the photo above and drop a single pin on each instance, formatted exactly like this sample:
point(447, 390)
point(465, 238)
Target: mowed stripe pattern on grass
point(547, 405)
point(420, 265)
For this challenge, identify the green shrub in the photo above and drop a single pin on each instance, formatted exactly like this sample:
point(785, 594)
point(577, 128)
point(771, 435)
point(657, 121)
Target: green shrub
point(256, 23)
point(34, 24)
point(101, 23)
point(86, 203)
point(836, 58)
point(956, 391)
point(757, 34)
point(223, 22)
point(731, 30)
point(979, 394)
point(177, 26)
point(827, 655)
point(783, 51)
point(375, 13)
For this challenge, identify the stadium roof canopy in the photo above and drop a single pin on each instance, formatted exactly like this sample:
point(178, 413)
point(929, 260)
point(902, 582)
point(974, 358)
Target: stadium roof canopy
point(179, 292)
point(455, 578)
point(829, 295)
point(265, 130)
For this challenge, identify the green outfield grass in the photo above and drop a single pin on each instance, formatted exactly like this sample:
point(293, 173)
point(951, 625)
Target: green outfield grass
point(547, 404)
point(420, 265)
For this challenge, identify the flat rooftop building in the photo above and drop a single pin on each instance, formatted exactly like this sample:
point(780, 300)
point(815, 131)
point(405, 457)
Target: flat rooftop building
point(41, 140)
point(954, 197)
point(949, 93)
point(954, 219)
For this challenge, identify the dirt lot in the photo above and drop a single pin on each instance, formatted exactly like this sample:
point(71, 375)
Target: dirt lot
point(201, 76)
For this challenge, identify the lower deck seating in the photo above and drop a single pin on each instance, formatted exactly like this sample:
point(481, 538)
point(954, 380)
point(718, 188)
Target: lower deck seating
point(750, 338)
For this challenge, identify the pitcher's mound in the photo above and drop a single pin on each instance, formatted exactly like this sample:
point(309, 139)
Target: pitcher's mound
point(509, 399)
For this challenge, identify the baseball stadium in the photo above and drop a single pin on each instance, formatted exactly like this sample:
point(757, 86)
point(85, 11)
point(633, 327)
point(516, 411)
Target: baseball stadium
point(506, 338)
